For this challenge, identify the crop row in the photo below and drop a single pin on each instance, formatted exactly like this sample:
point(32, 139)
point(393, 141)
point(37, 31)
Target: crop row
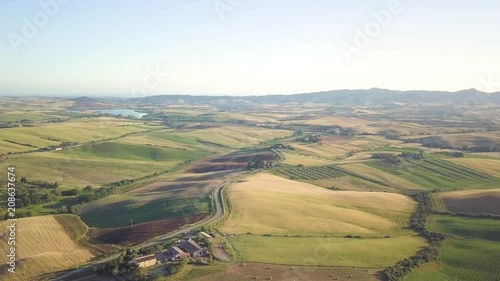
point(448, 171)
point(322, 172)
point(311, 173)
point(438, 171)
point(460, 169)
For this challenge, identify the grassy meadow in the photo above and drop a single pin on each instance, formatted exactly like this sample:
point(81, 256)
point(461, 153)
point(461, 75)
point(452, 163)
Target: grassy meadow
point(78, 130)
point(325, 251)
point(472, 253)
point(121, 208)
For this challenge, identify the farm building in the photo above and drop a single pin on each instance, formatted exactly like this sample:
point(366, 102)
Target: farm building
point(192, 248)
point(206, 235)
point(146, 261)
point(175, 253)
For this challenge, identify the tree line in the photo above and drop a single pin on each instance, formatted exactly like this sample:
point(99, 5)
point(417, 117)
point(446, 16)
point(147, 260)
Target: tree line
point(430, 253)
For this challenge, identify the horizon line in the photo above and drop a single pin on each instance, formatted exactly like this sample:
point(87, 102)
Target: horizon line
point(129, 96)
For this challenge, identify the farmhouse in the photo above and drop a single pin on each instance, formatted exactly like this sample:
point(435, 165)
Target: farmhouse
point(146, 261)
point(175, 253)
point(192, 248)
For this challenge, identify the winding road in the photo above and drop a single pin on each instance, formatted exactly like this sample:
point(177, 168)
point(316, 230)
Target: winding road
point(85, 271)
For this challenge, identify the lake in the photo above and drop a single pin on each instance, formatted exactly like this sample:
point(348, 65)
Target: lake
point(123, 112)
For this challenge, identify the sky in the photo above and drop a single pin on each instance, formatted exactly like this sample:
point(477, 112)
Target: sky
point(245, 47)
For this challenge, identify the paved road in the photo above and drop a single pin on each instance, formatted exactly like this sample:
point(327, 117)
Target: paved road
point(87, 269)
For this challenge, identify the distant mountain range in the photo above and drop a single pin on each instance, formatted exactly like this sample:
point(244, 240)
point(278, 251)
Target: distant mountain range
point(374, 96)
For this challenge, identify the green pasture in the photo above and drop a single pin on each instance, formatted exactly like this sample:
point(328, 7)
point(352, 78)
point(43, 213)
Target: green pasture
point(118, 210)
point(473, 252)
point(325, 251)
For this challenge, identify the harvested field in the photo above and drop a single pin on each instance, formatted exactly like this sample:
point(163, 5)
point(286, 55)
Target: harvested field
point(141, 232)
point(249, 271)
point(473, 201)
point(489, 166)
point(297, 159)
point(265, 203)
point(43, 246)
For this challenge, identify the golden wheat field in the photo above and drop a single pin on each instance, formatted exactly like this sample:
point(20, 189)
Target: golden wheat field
point(42, 246)
point(306, 160)
point(265, 203)
point(489, 166)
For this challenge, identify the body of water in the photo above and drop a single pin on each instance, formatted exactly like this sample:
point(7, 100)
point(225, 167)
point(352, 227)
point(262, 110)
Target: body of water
point(123, 112)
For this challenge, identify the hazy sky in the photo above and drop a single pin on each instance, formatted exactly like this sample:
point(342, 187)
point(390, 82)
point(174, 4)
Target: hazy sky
point(243, 47)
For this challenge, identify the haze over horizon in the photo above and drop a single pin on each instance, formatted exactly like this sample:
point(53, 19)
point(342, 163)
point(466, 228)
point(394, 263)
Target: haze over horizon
point(223, 47)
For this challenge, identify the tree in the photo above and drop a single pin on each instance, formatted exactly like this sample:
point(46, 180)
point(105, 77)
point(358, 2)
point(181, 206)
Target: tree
point(63, 210)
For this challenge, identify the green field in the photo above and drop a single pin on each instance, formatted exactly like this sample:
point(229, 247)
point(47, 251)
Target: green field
point(120, 209)
point(98, 164)
point(79, 130)
point(471, 254)
point(25, 116)
point(437, 174)
point(325, 251)
point(123, 151)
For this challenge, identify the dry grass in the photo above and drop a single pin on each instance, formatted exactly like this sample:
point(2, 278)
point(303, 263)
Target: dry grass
point(269, 204)
point(472, 201)
point(249, 271)
point(489, 166)
point(338, 147)
point(340, 121)
point(236, 136)
point(42, 247)
point(296, 159)
point(351, 184)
